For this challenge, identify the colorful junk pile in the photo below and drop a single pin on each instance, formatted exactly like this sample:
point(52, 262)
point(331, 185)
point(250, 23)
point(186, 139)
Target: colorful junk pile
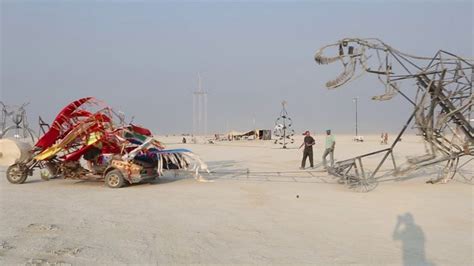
point(114, 152)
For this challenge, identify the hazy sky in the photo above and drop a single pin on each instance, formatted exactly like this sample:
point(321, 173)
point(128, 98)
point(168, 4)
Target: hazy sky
point(143, 58)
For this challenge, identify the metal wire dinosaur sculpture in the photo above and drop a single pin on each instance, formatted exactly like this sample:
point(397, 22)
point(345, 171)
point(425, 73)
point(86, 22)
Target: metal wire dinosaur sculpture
point(442, 104)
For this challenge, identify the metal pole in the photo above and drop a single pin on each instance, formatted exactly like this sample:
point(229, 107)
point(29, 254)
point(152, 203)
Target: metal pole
point(284, 133)
point(194, 114)
point(205, 113)
point(394, 143)
point(357, 133)
point(355, 99)
point(357, 119)
point(200, 116)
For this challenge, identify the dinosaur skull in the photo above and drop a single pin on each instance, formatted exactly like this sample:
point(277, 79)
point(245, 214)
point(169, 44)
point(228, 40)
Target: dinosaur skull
point(348, 53)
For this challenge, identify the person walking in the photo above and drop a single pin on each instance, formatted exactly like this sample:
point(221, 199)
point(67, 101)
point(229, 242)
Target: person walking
point(308, 143)
point(330, 145)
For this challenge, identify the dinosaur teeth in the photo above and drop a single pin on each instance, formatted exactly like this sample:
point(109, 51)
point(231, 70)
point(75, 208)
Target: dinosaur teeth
point(343, 78)
point(322, 60)
point(340, 80)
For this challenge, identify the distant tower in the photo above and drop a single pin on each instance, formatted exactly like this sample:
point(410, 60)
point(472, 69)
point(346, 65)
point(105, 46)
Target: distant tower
point(199, 110)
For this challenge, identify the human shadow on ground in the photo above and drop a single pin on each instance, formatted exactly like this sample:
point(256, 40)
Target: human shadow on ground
point(413, 240)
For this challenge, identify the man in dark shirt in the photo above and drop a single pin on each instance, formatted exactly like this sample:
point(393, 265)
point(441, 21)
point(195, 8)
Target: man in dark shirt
point(308, 149)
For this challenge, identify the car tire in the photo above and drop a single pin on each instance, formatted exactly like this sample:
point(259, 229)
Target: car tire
point(16, 174)
point(114, 179)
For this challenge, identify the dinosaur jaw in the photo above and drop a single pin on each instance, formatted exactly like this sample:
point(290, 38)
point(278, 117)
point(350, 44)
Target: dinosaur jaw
point(323, 60)
point(345, 76)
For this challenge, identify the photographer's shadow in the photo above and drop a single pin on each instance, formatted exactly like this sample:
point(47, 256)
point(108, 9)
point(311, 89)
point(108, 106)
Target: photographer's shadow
point(413, 240)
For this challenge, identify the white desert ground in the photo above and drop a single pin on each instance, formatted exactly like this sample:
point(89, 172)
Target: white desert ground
point(261, 218)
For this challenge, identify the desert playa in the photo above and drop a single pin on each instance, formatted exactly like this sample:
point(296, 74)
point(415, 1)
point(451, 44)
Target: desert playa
point(257, 208)
point(236, 133)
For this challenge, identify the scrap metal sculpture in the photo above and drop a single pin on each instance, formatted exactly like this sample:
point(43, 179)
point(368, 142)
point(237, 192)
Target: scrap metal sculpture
point(442, 104)
point(283, 130)
point(20, 127)
point(117, 153)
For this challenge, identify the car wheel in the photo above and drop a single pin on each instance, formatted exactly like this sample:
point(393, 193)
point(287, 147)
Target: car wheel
point(114, 179)
point(17, 174)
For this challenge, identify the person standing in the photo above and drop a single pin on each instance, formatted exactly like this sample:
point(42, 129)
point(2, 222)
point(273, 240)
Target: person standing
point(308, 143)
point(330, 145)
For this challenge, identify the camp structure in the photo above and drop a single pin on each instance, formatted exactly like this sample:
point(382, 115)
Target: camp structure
point(261, 134)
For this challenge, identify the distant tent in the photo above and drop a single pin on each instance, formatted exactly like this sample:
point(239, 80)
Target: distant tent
point(263, 134)
point(249, 133)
